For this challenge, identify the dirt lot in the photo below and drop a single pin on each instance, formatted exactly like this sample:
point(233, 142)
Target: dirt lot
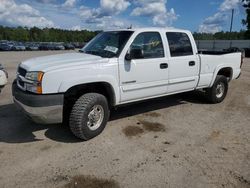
point(176, 141)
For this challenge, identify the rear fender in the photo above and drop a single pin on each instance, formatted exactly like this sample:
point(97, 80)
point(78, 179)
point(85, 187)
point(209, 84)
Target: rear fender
point(218, 68)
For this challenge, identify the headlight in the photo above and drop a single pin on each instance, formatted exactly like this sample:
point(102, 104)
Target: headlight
point(34, 76)
point(36, 82)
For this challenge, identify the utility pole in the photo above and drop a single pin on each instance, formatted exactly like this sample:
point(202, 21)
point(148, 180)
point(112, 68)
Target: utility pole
point(232, 19)
point(231, 27)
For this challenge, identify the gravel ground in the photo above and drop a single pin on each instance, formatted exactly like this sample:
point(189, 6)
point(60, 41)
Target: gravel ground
point(175, 141)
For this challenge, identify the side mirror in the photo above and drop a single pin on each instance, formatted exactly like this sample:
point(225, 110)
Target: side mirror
point(128, 56)
point(134, 54)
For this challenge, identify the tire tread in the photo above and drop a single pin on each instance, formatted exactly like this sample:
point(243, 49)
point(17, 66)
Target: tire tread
point(76, 115)
point(210, 93)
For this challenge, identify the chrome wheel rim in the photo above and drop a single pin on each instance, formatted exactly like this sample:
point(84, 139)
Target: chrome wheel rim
point(95, 117)
point(220, 89)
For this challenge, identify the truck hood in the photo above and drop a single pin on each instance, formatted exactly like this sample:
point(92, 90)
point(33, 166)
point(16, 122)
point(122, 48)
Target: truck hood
point(53, 62)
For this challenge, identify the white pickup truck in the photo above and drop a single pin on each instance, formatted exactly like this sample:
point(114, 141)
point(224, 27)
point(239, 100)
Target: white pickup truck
point(115, 68)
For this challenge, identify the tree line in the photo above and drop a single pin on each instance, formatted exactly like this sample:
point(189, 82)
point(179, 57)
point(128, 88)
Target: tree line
point(35, 34)
point(246, 21)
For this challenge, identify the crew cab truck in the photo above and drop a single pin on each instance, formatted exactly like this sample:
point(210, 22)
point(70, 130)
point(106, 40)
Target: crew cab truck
point(119, 67)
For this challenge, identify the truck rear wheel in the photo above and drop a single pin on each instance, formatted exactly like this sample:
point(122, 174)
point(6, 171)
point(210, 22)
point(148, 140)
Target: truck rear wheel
point(218, 91)
point(89, 116)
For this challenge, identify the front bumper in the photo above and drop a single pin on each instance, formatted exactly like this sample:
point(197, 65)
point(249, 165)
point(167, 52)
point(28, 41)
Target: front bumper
point(44, 109)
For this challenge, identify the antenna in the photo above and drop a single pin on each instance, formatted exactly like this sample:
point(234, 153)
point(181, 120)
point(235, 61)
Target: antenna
point(130, 27)
point(232, 19)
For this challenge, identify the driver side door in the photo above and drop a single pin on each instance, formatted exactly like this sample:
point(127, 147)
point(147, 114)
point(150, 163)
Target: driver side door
point(147, 76)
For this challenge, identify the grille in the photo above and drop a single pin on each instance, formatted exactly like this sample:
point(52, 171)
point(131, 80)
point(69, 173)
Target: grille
point(22, 71)
point(21, 83)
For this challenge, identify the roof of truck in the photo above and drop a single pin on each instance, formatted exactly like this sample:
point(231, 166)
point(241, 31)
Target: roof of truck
point(151, 29)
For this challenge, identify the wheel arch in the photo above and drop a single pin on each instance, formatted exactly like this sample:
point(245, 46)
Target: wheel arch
point(103, 88)
point(226, 71)
point(73, 93)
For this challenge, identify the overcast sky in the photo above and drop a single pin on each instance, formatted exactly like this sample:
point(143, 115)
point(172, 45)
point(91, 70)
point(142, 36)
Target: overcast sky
point(195, 15)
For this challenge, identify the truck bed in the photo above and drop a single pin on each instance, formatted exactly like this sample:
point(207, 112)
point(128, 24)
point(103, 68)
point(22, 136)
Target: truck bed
point(211, 63)
point(207, 52)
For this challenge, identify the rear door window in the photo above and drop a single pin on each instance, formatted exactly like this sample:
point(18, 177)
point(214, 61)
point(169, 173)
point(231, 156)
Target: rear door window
point(179, 44)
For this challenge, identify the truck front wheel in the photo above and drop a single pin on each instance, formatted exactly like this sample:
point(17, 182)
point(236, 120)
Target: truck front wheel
point(89, 116)
point(218, 91)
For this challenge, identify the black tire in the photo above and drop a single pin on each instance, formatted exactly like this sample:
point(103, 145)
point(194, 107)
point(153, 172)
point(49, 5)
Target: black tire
point(211, 93)
point(79, 115)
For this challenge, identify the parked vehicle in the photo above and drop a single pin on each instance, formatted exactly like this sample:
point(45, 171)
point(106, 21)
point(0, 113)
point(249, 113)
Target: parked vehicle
point(43, 46)
point(5, 47)
point(3, 77)
point(59, 47)
point(18, 47)
point(79, 44)
point(232, 49)
point(116, 68)
point(69, 46)
point(3, 41)
point(32, 47)
point(246, 52)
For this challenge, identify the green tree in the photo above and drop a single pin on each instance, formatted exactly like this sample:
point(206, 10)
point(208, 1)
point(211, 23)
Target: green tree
point(246, 22)
point(45, 35)
point(220, 36)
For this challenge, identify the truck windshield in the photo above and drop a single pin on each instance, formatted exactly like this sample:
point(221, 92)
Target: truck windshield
point(108, 44)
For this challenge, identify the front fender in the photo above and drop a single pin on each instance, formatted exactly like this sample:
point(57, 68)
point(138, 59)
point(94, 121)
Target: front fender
point(67, 84)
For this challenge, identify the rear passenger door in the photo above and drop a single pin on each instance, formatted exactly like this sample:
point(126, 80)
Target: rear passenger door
point(183, 62)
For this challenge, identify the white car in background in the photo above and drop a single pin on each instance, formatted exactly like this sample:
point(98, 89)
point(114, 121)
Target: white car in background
point(3, 77)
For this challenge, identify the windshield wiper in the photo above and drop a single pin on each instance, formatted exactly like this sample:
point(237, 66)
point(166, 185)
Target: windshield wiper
point(92, 52)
